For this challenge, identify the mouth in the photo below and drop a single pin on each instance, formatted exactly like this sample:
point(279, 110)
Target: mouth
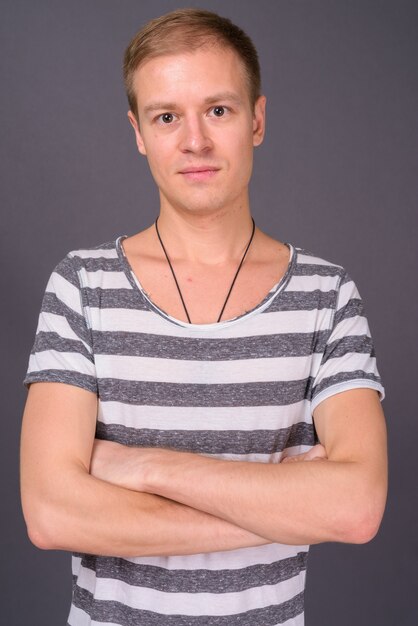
point(201, 173)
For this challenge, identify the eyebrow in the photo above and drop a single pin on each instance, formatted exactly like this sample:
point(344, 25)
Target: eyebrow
point(218, 97)
point(223, 95)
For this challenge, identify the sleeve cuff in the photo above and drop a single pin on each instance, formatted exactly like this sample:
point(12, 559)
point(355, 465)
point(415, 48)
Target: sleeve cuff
point(346, 386)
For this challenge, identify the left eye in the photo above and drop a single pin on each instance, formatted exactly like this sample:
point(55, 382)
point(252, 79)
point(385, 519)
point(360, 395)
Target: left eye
point(218, 111)
point(167, 118)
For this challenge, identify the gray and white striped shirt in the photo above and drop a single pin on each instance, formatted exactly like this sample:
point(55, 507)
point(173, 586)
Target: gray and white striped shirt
point(241, 389)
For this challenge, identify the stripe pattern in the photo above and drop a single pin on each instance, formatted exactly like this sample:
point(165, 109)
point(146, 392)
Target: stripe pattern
point(242, 389)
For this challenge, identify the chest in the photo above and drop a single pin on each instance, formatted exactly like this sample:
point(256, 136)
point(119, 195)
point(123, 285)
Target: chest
point(206, 292)
point(242, 389)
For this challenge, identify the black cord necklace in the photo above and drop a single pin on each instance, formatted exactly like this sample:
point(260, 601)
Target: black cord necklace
point(176, 281)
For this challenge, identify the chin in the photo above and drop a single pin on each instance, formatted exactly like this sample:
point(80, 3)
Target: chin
point(205, 209)
point(203, 205)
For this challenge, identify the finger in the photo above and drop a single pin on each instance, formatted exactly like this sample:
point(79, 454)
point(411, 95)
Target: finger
point(294, 458)
point(316, 453)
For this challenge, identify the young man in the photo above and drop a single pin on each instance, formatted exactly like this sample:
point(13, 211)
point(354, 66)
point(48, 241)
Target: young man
point(173, 372)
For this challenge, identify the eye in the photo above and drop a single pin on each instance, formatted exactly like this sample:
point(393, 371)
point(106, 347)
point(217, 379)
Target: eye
point(166, 118)
point(218, 111)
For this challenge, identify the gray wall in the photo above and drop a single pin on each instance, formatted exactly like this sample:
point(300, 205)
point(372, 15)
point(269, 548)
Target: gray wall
point(336, 175)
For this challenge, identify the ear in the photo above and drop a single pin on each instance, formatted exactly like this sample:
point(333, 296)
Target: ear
point(259, 120)
point(138, 136)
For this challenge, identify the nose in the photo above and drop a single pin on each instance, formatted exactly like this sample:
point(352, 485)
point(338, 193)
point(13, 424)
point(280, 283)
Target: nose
point(195, 135)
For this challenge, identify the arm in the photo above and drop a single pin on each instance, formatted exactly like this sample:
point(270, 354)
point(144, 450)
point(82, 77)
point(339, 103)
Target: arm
point(67, 508)
point(339, 499)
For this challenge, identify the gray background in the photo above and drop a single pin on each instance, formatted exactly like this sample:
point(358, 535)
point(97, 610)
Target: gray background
point(336, 175)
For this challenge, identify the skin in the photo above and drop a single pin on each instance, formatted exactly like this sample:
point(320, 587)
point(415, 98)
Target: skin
point(204, 217)
point(205, 120)
point(339, 498)
point(100, 497)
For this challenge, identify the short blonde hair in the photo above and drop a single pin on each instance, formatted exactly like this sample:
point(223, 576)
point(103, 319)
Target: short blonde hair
point(187, 30)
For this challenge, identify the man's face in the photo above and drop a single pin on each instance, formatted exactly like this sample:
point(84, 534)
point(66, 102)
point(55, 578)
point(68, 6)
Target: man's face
point(197, 128)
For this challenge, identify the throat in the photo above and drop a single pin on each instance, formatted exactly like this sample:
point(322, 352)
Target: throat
point(186, 311)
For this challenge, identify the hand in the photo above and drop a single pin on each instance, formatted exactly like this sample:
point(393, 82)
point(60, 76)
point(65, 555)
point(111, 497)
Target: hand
point(317, 453)
point(134, 467)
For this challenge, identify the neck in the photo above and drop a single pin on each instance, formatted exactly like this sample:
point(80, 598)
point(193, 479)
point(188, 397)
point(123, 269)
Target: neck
point(209, 240)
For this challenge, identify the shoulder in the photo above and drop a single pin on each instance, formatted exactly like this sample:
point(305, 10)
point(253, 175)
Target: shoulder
point(302, 262)
point(91, 258)
point(310, 263)
point(78, 264)
point(106, 250)
point(320, 281)
point(317, 271)
point(327, 283)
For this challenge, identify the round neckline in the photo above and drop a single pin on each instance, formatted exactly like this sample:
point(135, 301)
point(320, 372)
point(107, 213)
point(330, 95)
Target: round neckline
point(261, 306)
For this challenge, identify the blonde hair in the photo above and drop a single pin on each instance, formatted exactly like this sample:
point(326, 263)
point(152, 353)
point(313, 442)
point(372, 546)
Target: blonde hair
point(187, 30)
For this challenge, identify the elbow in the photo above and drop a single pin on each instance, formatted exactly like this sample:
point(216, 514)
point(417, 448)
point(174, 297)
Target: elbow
point(38, 538)
point(363, 531)
point(363, 523)
point(39, 527)
point(363, 509)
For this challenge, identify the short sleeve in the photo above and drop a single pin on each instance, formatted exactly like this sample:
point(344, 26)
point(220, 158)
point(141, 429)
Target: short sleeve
point(349, 359)
point(63, 351)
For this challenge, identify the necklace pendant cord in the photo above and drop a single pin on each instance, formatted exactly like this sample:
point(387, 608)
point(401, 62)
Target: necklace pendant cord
point(176, 281)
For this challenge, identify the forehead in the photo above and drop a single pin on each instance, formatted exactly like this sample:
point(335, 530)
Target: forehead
point(191, 75)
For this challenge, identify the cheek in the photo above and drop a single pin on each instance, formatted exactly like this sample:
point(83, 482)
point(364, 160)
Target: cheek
point(242, 153)
point(240, 141)
point(159, 158)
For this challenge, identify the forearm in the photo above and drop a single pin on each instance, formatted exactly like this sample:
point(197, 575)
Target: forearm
point(85, 514)
point(338, 499)
point(65, 507)
point(288, 503)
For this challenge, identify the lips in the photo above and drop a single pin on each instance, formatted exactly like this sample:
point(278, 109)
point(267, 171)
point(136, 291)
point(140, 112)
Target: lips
point(199, 173)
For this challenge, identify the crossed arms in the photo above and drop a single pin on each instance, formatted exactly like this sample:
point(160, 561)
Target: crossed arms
point(98, 497)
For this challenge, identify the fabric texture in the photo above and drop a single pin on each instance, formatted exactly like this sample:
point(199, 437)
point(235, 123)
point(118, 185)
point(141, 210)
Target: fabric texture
point(242, 389)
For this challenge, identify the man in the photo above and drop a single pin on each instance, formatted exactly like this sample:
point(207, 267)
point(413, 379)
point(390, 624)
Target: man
point(176, 373)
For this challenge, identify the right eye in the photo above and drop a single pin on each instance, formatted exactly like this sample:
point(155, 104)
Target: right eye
point(166, 118)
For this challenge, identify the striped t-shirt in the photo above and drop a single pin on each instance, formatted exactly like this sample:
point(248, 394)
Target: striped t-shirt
point(242, 389)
